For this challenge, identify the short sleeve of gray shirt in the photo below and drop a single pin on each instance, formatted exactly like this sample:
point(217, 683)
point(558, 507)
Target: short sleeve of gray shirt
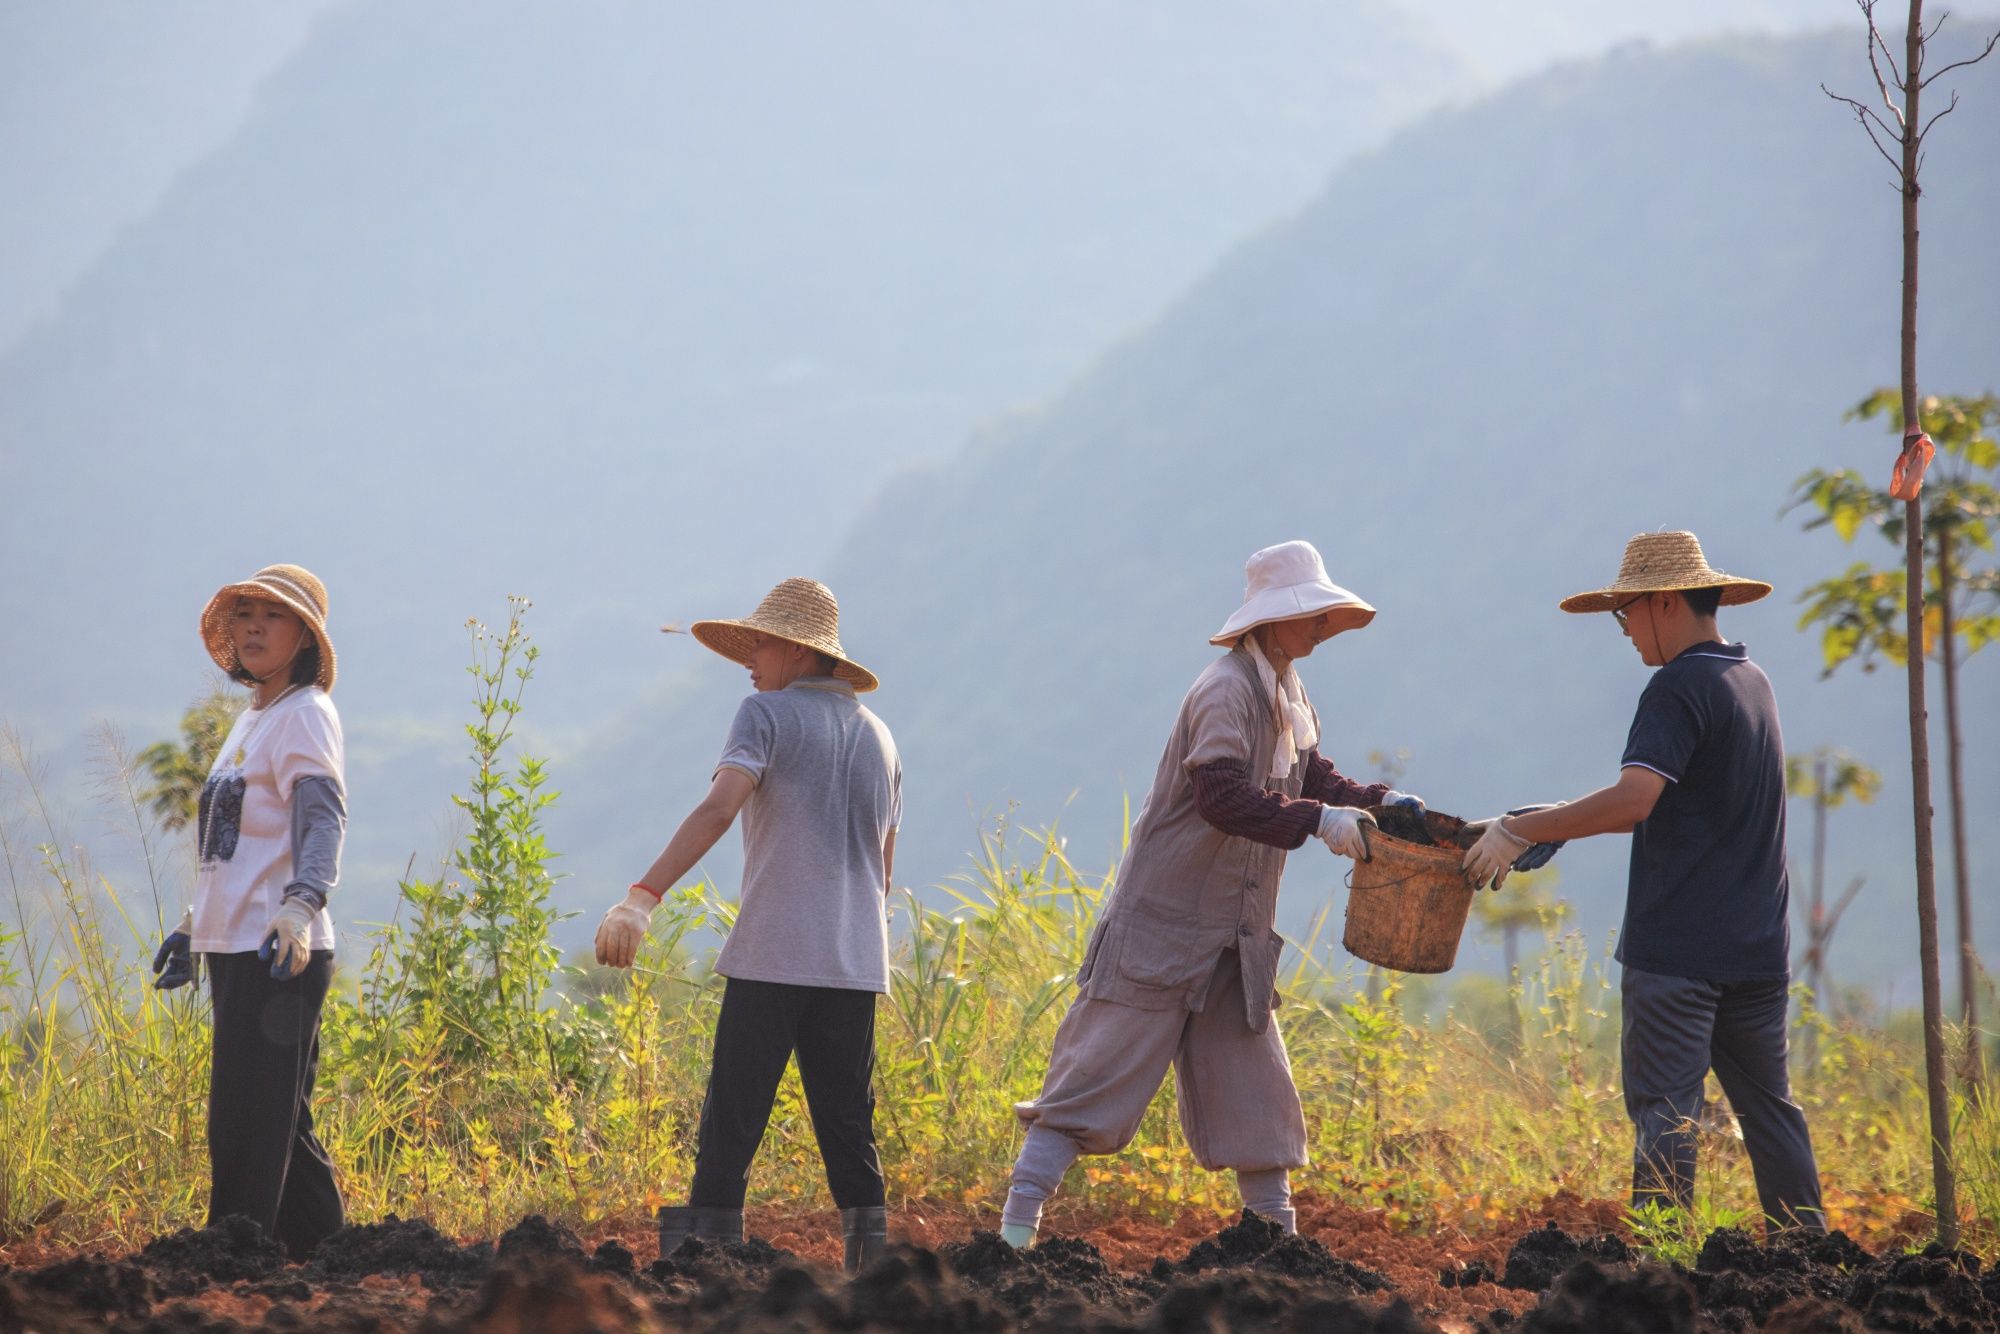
point(828, 793)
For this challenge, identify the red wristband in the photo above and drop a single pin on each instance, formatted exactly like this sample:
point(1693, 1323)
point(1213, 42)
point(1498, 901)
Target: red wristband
point(657, 895)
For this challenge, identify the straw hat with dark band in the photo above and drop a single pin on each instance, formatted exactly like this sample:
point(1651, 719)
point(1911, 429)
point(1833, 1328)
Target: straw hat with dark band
point(1666, 563)
point(798, 611)
point(291, 585)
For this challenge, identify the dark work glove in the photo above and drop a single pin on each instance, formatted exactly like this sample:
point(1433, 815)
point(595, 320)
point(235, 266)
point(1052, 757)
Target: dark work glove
point(1538, 855)
point(173, 963)
point(1409, 801)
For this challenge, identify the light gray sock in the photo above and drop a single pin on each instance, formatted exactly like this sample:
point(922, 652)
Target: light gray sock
point(1045, 1155)
point(1268, 1194)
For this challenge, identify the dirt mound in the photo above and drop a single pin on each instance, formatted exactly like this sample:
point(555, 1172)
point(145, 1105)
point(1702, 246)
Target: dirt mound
point(1059, 1281)
point(1541, 1256)
point(1937, 1292)
point(401, 1246)
point(85, 1291)
point(233, 1251)
point(1814, 1315)
point(1235, 1300)
point(1594, 1297)
point(546, 1292)
point(536, 1235)
point(1258, 1243)
point(1743, 1284)
point(1468, 1275)
point(403, 1275)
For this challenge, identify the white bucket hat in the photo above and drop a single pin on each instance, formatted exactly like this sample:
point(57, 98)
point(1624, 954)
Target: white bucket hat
point(1286, 582)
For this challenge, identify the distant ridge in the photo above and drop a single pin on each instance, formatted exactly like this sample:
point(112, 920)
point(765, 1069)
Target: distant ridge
point(1628, 294)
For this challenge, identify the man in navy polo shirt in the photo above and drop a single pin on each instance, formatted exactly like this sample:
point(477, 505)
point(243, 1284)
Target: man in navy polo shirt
point(1705, 945)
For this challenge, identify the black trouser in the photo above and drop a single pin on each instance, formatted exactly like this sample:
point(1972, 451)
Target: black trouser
point(263, 1159)
point(762, 1024)
point(1676, 1030)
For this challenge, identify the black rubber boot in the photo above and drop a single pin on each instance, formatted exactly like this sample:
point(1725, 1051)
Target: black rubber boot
point(676, 1226)
point(718, 1224)
point(866, 1232)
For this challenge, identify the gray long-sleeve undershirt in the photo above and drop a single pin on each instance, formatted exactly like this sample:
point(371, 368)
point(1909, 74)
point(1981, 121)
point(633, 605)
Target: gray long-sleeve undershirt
point(319, 824)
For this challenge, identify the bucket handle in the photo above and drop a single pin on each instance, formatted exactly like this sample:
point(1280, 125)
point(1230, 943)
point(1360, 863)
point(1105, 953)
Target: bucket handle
point(1348, 880)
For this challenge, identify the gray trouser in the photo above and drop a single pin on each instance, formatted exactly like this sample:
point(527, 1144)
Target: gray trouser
point(1676, 1030)
point(1238, 1105)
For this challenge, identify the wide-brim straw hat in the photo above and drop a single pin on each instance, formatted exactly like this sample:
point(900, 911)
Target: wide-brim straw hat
point(292, 585)
point(1286, 582)
point(1666, 563)
point(799, 611)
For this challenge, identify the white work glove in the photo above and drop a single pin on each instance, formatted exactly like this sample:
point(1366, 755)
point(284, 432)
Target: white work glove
point(1493, 855)
point(285, 947)
point(1341, 827)
point(624, 927)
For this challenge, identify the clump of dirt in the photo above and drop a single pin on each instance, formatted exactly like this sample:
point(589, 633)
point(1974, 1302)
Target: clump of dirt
point(1236, 1300)
point(915, 1289)
point(401, 1246)
point(1538, 1258)
point(1258, 1243)
point(536, 1235)
point(1814, 1315)
point(1432, 829)
point(1937, 1292)
point(612, 1258)
point(80, 1292)
point(1743, 1284)
point(233, 1251)
point(1054, 1282)
point(1469, 1275)
point(1592, 1297)
point(1249, 1275)
point(547, 1292)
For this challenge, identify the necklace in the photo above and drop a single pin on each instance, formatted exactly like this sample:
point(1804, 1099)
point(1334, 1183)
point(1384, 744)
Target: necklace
point(262, 714)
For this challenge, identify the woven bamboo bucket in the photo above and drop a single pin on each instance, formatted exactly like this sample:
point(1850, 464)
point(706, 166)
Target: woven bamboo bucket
point(1407, 904)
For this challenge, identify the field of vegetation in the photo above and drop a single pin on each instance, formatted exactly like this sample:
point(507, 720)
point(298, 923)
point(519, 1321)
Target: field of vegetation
point(469, 1077)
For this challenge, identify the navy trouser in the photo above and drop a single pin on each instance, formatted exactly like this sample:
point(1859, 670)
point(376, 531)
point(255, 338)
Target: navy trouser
point(832, 1029)
point(1676, 1030)
point(264, 1161)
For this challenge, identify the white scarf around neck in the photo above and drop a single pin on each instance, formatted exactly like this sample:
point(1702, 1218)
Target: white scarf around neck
point(1297, 733)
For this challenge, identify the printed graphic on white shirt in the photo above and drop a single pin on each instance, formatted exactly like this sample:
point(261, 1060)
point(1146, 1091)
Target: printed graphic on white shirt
point(243, 831)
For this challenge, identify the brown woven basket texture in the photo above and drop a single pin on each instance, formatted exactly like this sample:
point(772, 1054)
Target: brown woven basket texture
point(1407, 904)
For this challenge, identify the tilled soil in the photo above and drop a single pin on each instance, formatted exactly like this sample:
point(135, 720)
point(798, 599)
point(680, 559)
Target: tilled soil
point(1349, 1275)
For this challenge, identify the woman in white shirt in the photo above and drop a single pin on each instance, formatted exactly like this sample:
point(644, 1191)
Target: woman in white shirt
point(268, 835)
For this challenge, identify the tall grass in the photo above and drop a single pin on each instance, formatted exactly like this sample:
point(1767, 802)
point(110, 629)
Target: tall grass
point(467, 1077)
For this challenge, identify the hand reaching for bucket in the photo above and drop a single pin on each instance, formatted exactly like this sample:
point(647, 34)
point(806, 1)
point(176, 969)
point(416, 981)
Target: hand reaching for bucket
point(1494, 854)
point(1409, 801)
point(1345, 829)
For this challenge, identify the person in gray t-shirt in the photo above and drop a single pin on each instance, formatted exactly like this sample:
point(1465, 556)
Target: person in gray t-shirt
point(819, 785)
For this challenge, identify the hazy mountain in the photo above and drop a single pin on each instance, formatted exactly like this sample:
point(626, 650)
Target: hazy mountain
point(1628, 294)
point(102, 103)
point(588, 302)
point(1513, 40)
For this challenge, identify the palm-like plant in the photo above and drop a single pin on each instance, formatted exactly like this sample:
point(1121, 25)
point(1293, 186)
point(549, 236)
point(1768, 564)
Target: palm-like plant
point(179, 768)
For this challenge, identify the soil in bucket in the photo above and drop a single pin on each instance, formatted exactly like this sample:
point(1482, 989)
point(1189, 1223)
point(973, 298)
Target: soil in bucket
point(1432, 829)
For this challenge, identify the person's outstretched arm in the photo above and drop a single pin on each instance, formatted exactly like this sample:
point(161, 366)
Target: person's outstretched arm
point(1617, 809)
point(624, 926)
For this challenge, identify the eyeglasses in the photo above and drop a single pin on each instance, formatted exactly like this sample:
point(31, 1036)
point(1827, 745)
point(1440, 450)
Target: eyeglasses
point(1618, 612)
